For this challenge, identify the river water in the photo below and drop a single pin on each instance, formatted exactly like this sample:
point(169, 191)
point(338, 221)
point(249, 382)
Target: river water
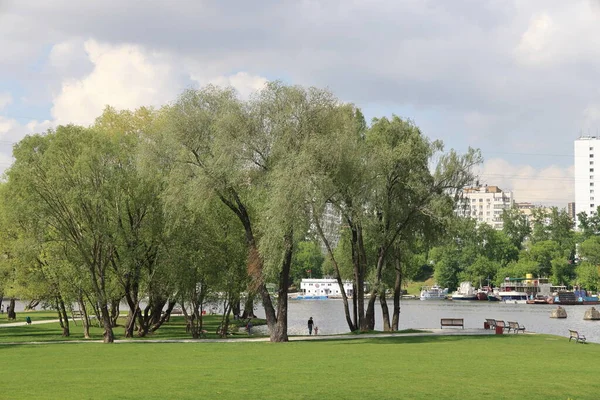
point(416, 314)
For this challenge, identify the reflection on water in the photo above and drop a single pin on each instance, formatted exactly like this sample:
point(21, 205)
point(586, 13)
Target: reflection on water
point(329, 316)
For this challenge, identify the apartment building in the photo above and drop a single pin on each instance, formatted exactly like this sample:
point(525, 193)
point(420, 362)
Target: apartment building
point(587, 181)
point(485, 204)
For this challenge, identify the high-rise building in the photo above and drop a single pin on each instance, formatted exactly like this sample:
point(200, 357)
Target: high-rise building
point(485, 204)
point(587, 181)
point(571, 210)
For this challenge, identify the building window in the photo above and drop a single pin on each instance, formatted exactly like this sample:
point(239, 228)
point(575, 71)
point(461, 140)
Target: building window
point(591, 206)
point(591, 169)
point(591, 176)
point(591, 148)
point(591, 156)
point(591, 191)
point(591, 183)
point(591, 199)
point(591, 163)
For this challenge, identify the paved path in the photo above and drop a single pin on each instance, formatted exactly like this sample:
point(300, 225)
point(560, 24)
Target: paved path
point(429, 332)
point(33, 322)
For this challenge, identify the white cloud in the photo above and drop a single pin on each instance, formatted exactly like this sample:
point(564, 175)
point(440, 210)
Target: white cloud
point(563, 34)
point(11, 132)
point(548, 186)
point(5, 99)
point(243, 82)
point(123, 76)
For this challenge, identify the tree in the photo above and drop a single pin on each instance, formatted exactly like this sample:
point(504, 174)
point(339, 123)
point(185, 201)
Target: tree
point(249, 155)
point(306, 262)
point(516, 226)
point(70, 175)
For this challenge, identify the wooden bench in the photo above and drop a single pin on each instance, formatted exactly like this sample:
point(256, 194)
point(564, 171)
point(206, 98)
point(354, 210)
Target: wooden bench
point(501, 324)
point(452, 322)
point(577, 336)
point(491, 323)
point(515, 327)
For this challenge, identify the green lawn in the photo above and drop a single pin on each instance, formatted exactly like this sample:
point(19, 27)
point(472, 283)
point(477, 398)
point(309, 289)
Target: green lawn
point(34, 315)
point(175, 329)
point(460, 367)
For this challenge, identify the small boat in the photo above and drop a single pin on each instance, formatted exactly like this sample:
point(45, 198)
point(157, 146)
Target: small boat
point(433, 293)
point(513, 297)
point(465, 291)
point(310, 297)
point(483, 296)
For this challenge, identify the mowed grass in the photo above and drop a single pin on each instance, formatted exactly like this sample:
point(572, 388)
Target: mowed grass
point(34, 315)
point(452, 367)
point(174, 329)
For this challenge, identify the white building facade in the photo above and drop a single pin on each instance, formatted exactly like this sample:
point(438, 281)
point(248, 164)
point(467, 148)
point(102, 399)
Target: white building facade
point(587, 181)
point(485, 204)
point(324, 287)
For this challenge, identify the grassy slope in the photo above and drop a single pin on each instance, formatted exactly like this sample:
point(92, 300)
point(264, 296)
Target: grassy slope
point(494, 367)
point(414, 288)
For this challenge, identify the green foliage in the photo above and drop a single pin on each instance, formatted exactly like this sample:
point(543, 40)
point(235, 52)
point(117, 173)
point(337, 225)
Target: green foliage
point(307, 261)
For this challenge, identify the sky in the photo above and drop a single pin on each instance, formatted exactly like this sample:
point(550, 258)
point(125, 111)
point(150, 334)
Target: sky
point(518, 79)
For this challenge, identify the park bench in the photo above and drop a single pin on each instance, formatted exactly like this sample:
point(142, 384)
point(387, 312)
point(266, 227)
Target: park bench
point(452, 322)
point(76, 314)
point(491, 323)
point(502, 324)
point(515, 327)
point(577, 336)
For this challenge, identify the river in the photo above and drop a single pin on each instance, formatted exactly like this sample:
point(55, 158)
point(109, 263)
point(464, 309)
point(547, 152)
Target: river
point(416, 314)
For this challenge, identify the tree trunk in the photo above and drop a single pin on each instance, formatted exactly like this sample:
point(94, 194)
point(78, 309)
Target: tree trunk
point(114, 312)
point(397, 294)
point(385, 312)
point(109, 336)
point(255, 263)
point(359, 273)
point(11, 314)
point(375, 290)
point(354, 305)
point(63, 311)
point(162, 318)
point(249, 306)
point(32, 305)
point(85, 319)
point(336, 267)
point(235, 305)
point(280, 333)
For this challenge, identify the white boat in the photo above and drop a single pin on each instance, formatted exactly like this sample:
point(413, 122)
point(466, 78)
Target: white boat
point(513, 297)
point(465, 291)
point(433, 293)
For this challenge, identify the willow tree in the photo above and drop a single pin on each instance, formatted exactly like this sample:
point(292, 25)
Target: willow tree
point(248, 155)
point(70, 175)
point(339, 180)
point(137, 222)
point(410, 189)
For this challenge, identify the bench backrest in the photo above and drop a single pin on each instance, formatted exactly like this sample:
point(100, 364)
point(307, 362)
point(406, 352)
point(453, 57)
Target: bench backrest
point(452, 321)
point(573, 333)
point(500, 324)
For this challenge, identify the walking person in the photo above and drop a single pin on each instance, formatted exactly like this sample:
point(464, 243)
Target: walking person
point(310, 325)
